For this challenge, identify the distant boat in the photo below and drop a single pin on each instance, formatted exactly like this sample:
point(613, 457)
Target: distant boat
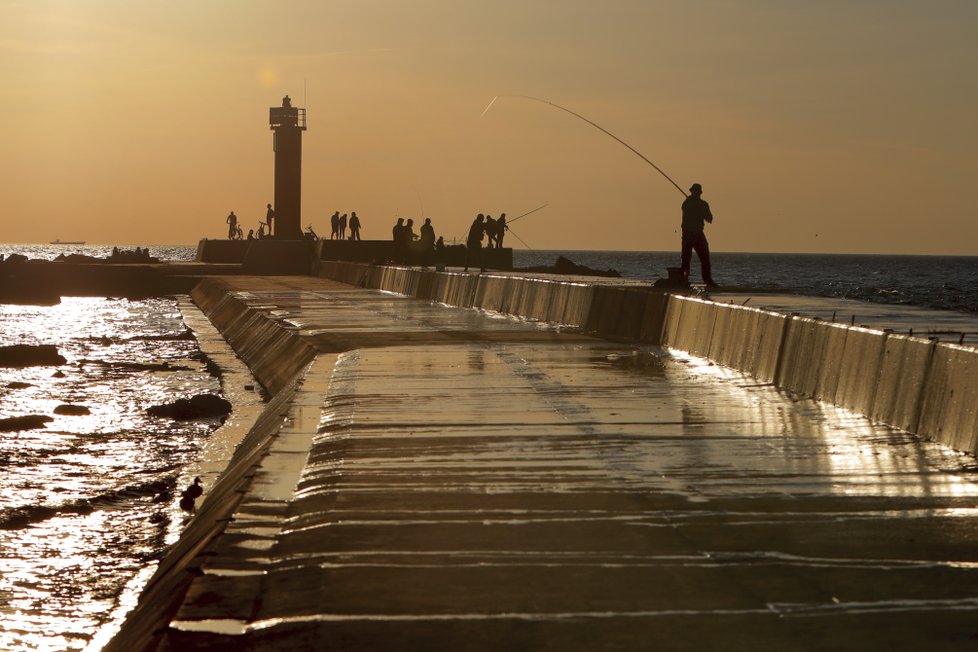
point(68, 242)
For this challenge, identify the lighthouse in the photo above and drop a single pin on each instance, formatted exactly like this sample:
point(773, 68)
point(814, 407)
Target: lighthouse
point(287, 124)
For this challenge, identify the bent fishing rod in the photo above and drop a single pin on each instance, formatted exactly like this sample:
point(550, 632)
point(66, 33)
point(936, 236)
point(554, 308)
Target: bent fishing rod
point(596, 126)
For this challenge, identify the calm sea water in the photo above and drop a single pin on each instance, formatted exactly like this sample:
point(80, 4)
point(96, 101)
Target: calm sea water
point(87, 502)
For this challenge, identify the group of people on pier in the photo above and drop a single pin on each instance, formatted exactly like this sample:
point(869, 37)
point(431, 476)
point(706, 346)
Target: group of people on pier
point(236, 232)
point(338, 224)
point(409, 245)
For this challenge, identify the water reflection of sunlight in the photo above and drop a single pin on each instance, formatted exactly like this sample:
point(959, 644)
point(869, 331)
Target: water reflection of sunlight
point(76, 496)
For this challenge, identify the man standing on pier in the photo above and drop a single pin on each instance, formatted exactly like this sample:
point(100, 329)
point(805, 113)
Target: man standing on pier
point(269, 218)
point(695, 213)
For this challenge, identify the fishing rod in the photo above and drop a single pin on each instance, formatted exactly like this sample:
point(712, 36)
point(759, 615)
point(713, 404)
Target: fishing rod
point(596, 126)
point(508, 222)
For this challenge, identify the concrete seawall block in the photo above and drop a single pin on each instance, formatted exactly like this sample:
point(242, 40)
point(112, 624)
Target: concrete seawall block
point(764, 347)
point(274, 353)
point(833, 362)
point(949, 406)
point(674, 313)
point(801, 356)
point(540, 306)
point(902, 379)
point(558, 302)
point(694, 327)
point(859, 370)
point(425, 282)
point(578, 304)
point(731, 332)
point(489, 293)
point(653, 318)
point(605, 309)
point(525, 295)
point(632, 314)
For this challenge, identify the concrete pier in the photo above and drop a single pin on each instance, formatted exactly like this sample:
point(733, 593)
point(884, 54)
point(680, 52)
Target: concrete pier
point(442, 478)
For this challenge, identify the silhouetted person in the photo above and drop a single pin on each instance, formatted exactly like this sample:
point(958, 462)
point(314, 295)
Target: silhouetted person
point(334, 226)
point(490, 230)
point(354, 226)
point(232, 221)
point(473, 242)
point(427, 240)
point(343, 226)
point(501, 230)
point(695, 213)
point(251, 234)
point(440, 244)
point(397, 235)
point(269, 218)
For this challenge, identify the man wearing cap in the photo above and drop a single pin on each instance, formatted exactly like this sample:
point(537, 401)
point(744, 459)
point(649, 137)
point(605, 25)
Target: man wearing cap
point(695, 213)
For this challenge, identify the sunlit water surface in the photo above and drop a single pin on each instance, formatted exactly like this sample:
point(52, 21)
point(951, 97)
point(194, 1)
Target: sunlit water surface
point(87, 502)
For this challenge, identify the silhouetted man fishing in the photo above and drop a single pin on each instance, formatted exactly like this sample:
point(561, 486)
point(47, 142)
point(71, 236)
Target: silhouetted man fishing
point(695, 213)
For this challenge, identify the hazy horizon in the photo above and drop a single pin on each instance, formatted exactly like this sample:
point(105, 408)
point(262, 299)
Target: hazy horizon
point(813, 127)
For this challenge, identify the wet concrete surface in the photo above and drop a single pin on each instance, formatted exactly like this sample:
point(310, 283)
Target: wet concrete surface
point(445, 479)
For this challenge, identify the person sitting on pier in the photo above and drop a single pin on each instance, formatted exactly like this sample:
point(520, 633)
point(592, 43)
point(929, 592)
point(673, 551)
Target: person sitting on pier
point(354, 226)
point(440, 244)
point(232, 221)
point(251, 234)
point(473, 243)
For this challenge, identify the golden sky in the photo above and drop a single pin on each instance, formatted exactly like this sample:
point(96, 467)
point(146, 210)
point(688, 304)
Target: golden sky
point(829, 126)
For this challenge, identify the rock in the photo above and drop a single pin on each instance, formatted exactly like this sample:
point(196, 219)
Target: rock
point(72, 410)
point(28, 422)
point(15, 258)
point(198, 407)
point(58, 374)
point(18, 385)
point(29, 355)
point(566, 266)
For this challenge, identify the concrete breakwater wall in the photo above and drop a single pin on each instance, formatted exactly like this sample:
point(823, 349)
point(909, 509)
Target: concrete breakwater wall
point(922, 386)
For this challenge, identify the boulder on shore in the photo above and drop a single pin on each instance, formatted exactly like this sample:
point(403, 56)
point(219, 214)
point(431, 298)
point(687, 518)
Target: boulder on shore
point(566, 266)
point(27, 422)
point(200, 406)
point(30, 355)
point(72, 410)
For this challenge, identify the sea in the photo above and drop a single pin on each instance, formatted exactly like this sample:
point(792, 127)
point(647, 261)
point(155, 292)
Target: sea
point(88, 503)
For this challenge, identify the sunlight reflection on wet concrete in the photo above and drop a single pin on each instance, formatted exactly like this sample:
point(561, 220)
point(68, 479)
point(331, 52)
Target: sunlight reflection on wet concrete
point(481, 482)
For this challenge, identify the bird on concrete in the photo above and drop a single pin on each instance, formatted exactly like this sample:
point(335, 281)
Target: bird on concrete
point(190, 495)
point(195, 489)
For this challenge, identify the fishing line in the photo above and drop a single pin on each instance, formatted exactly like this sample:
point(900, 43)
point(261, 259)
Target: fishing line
point(596, 126)
point(513, 233)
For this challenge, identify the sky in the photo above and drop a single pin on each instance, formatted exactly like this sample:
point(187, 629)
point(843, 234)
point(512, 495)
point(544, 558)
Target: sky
point(845, 126)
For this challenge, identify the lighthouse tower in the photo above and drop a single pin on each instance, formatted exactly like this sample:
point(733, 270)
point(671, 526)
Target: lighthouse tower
point(287, 122)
